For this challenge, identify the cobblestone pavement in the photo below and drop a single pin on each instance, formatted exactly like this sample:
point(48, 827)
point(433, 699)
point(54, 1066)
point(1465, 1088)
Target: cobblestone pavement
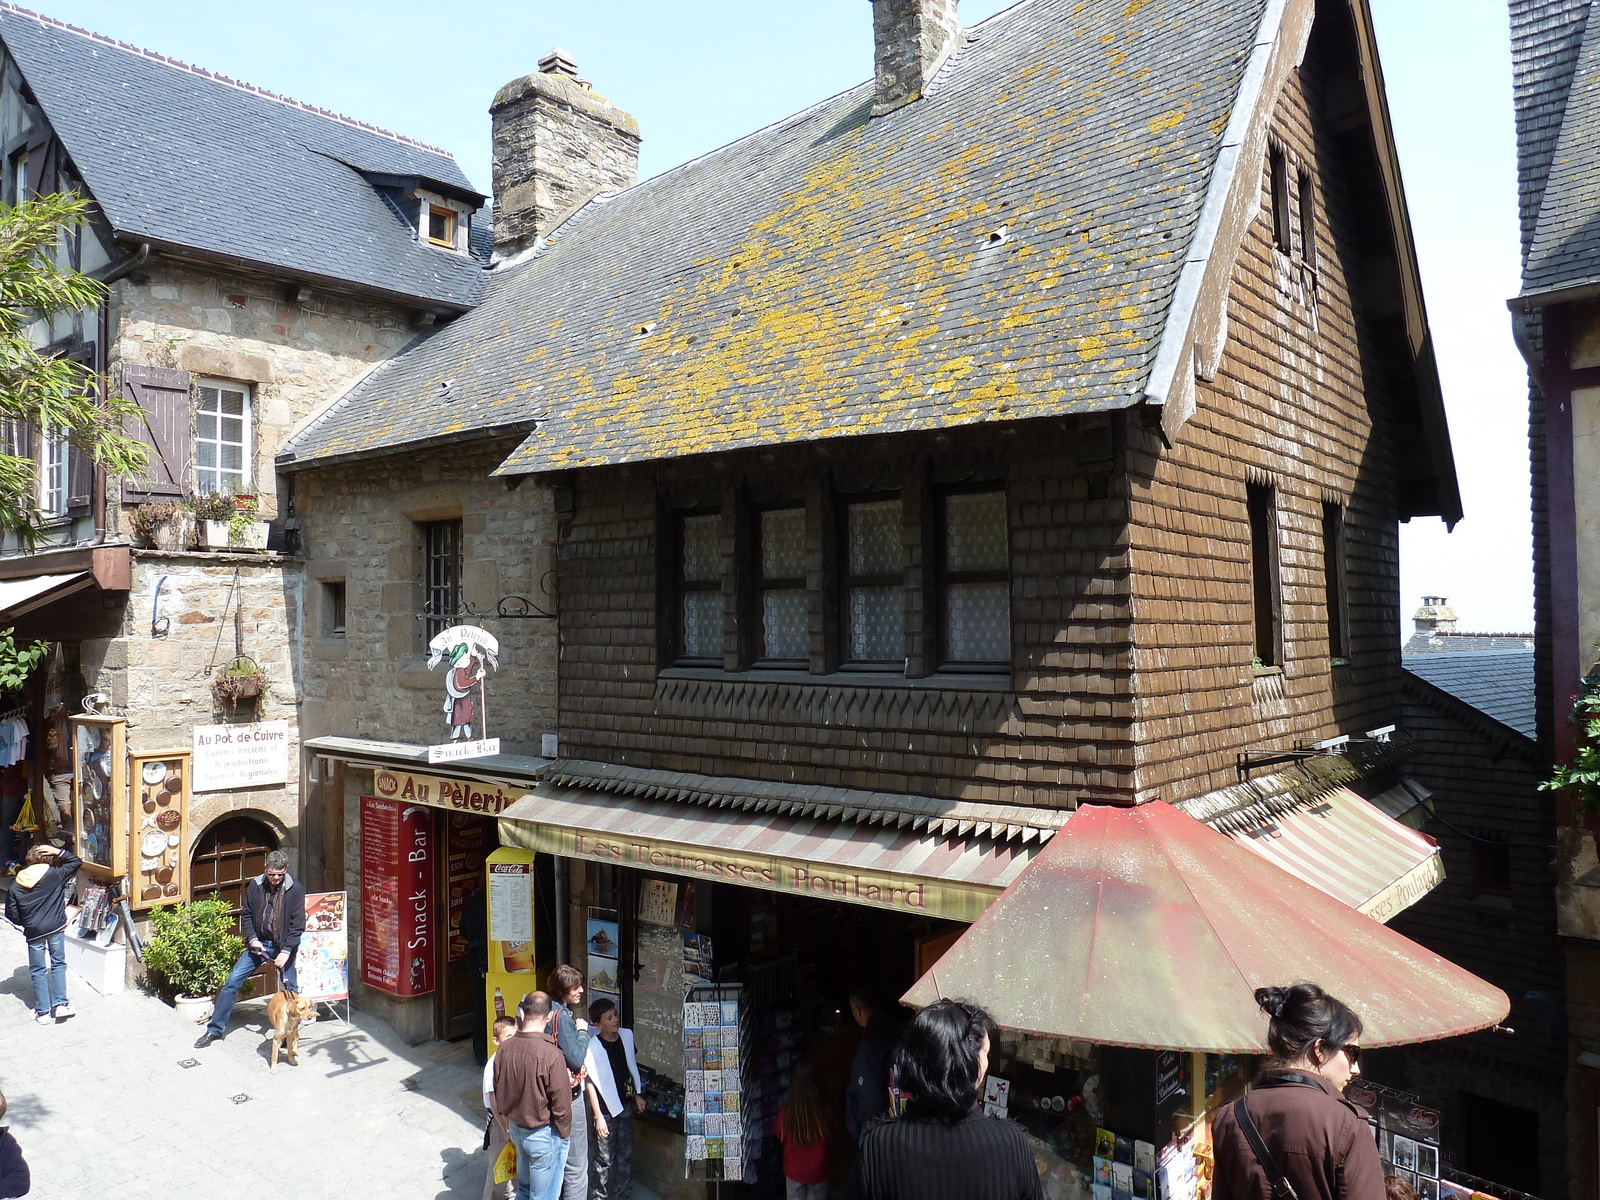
point(102, 1105)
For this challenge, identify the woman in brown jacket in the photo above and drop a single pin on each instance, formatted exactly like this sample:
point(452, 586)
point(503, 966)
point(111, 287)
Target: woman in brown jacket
point(1319, 1140)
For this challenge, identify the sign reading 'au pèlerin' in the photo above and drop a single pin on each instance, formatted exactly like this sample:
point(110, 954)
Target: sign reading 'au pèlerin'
point(459, 795)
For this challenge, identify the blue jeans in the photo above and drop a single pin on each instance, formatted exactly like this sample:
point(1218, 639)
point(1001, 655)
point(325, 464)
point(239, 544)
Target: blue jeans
point(47, 963)
point(249, 962)
point(541, 1158)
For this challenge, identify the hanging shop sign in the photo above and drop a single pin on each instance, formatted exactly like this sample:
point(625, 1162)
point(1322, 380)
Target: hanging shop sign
point(253, 754)
point(158, 855)
point(100, 795)
point(323, 961)
point(397, 897)
point(461, 795)
point(466, 652)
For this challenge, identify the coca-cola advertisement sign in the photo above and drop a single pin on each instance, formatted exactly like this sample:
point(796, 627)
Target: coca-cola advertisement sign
point(397, 897)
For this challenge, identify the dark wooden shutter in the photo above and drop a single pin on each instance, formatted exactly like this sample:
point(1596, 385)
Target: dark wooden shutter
point(163, 396)
point(80, 467)
point(44, 159)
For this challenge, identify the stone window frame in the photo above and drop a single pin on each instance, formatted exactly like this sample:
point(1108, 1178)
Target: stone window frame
point(247, 447)
point(443, 563)
point(335, 607)
point(460, 220)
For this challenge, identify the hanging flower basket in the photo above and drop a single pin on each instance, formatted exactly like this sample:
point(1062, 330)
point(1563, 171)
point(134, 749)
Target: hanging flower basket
point(240, 680)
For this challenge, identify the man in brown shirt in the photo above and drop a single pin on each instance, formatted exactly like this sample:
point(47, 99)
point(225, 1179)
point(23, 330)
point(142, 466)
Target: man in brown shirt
point(533, 1098)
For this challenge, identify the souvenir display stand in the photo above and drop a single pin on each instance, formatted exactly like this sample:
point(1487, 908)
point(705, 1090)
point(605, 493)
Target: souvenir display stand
point(158, 852)
point(100, 795)
point(716, 1110)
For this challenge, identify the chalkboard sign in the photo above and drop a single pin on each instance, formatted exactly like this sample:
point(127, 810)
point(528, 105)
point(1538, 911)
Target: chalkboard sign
point(658, 999)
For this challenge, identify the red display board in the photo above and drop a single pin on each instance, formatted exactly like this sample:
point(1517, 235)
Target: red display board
point(397, 897)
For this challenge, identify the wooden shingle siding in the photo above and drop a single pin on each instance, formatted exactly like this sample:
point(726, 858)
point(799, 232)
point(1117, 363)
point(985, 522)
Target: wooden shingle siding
point(1056, 728)
point(1297, 405)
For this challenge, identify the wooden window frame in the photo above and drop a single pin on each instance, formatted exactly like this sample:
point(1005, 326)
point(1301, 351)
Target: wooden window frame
point(450, 217)
point(1491, 867)
point(1335, 587)
point(760, 585)
point(676, 652)
point(54, 468)
point(442, 562)
point(246, 447)
point(1278, 190)
point(1306, 196)
point(944, 577)
point(847, 582)
point(1266, 590)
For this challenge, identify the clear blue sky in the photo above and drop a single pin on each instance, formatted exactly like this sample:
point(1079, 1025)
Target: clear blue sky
point(699, 73)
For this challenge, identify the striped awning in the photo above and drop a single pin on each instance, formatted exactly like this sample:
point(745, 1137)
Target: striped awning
point(1343, 845)
point(947, 876)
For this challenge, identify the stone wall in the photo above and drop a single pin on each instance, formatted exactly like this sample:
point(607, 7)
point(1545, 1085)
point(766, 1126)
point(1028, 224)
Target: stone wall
point(361, 526)
point(159, 665)
point(297, 357)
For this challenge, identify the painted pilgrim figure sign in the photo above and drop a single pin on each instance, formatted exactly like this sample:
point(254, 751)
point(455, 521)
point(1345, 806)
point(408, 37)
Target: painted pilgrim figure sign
point(466, 653)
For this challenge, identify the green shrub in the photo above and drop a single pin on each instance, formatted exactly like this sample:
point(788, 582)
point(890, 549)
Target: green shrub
point(192, 947)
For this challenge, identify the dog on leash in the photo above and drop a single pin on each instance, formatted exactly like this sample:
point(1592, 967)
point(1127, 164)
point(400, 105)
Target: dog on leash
point(286, 1010)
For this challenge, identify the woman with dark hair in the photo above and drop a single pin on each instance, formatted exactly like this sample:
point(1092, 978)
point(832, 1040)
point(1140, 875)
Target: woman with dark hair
point(571, 1035)
point(944, 1147)
point(1296, 1125)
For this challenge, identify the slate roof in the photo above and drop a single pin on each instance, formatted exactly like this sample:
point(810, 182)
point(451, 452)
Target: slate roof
point(1426, 642)
point(1545, 38)
point(178, 156)
point(1564, 250)
point(834, 274)
point(1498, 683)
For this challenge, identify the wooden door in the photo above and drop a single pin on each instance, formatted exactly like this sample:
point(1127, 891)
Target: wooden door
point(464, 840)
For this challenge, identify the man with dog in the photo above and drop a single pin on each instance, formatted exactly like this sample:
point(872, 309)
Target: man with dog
point(273, 919)
point(533, 1096)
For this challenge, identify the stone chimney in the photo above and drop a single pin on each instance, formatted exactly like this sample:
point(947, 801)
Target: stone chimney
point(557, 143)
point(1435, 616)
point(913, 38)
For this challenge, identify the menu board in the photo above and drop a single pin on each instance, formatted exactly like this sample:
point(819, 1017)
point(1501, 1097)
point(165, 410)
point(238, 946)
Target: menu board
point(158, 853)
point(323, 962)
point(397, 897)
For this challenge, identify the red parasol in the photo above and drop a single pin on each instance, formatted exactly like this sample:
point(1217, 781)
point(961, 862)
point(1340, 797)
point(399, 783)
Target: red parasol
point(1143, 927)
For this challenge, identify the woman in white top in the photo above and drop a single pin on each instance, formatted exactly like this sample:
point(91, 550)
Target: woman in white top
point(614, 1075)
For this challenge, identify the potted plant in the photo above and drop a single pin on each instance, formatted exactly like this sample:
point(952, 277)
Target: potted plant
point(192, 948)
point(244, 531)
point(214, 511)
point(240, 680)
point(163, 524)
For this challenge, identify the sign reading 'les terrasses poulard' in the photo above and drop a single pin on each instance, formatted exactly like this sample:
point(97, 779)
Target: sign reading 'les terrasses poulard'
point(460, 795)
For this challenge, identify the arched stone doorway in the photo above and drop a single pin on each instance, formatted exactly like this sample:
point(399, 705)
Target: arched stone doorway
point(228, 856)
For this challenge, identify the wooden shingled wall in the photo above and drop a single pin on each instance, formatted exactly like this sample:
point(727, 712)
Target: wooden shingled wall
point(1297, 405)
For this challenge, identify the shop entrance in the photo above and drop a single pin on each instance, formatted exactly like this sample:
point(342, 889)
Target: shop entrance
point(464, 840)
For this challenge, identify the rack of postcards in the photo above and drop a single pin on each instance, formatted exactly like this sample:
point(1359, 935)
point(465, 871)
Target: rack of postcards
point(716, 1042)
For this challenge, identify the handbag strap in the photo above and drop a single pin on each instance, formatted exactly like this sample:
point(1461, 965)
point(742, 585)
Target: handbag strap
point(1281, 1187)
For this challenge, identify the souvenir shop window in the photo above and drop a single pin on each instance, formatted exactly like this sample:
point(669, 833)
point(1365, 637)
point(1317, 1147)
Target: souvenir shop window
point(698, 599)
point(974, 580)
point(872, 587)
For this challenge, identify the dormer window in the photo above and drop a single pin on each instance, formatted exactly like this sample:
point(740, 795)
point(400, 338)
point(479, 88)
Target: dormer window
point(441, 220)
point(441, 227)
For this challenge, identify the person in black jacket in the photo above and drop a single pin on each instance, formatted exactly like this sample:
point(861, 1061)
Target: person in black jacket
point(944, 1146)
point(273, 919)
point(866, 1096)
point(37, 904)
point(15, 1179)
